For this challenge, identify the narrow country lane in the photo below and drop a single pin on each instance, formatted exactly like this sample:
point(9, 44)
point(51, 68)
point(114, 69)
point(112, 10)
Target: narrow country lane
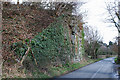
point(100, 69)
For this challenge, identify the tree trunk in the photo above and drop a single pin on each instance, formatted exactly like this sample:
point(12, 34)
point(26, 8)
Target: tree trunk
point(119, 34)
point(118, 48)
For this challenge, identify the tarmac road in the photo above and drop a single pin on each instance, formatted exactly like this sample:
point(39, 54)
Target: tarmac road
point(102, 69)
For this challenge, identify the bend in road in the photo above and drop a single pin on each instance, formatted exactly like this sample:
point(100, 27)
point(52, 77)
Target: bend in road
point(100, 69)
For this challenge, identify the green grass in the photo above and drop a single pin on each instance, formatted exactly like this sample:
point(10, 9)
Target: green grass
point(54, 71)
point(40, 75)
point(117, 61)
point(60, 70)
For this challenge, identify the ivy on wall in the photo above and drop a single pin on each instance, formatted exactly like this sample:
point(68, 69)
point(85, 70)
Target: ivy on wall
point(49, 46)
point(82, 33)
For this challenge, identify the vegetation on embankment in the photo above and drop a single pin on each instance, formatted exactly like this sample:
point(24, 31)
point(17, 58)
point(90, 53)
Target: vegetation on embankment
point(116, 60)
point(35, 38)
point(53, 71)
point(37, 46)
point(47, 52)
point(49, 48)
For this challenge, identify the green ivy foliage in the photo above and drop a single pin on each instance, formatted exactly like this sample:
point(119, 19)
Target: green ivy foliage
point(83, 40)
point(19, 48)
point(49, 46)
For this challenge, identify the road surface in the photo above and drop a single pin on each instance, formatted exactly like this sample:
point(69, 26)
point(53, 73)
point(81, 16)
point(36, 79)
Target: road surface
point(100, 69)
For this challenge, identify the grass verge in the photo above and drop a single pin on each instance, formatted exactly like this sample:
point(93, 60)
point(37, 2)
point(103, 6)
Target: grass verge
point(55, 71)
point(48, 72)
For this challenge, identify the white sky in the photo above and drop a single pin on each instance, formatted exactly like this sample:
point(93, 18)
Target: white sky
point(96, 14)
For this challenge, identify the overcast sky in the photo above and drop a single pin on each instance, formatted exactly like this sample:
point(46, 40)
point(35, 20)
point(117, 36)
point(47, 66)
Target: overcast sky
point(96, 17)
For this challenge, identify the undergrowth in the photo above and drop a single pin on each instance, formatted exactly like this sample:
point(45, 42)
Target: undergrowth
point(55, 71)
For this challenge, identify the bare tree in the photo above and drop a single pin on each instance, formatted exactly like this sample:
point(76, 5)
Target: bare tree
point(113, 9)
point(92, 39)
